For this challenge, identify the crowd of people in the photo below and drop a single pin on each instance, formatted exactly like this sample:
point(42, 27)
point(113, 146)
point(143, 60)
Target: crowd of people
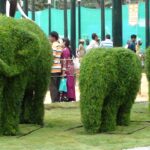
point(62, 86)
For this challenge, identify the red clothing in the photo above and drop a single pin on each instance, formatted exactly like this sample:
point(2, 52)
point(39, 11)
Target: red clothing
point(68, 67)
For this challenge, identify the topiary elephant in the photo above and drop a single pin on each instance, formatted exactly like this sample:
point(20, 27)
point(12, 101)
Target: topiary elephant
point(147, 66)
point(109, 82)
point(25, 62)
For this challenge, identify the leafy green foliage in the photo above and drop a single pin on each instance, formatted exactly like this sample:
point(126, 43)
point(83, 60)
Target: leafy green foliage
point(25, 62)
point(148, 68)
point(42, 4)
point(109, 82)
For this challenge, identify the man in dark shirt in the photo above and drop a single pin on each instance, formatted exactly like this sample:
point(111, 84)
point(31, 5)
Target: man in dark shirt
point(132, 43)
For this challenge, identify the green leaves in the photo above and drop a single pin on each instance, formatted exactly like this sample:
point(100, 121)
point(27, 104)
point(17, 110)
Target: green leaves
point(25, 64)
point(109, 82)
point(147, 64)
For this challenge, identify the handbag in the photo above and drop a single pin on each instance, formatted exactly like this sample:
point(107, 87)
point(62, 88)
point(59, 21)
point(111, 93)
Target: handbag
point(63, 85)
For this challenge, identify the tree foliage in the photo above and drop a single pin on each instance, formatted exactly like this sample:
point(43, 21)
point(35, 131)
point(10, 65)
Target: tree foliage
point(148, 68)
point(41, 4)
point(109, 82)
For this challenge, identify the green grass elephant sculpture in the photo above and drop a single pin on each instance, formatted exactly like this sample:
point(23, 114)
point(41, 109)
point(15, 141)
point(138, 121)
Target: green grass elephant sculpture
point(25, 63)
point(109, 82)
point(147, 66)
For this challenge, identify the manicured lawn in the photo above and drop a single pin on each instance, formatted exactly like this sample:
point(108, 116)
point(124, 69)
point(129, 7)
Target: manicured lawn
point(56, 136)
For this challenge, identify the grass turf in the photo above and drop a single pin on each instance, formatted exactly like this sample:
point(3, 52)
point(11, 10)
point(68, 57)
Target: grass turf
point(56, 136)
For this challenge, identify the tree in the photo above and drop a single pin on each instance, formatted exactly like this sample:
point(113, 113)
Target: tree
point(41, 4)
point(2, 6)
point(13, 5)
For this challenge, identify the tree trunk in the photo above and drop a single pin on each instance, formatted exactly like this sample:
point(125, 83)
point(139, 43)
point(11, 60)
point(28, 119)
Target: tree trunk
point(13, 6)
point(102, 19)
point(73, 27)
point(3, 6)
point(147, 19)
point(65, 19)
point(25, 6)
point(117, 23)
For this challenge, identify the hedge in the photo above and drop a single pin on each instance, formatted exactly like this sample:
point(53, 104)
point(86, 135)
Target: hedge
point(25, 63)
point(147, 62)
point(109, 82)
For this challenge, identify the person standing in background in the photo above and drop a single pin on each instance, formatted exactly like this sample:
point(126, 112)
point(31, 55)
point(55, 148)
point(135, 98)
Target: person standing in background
point(138, 47)
point(132, 43)
point(107, 43)
point(56, 68)
point(140, 53)
point(68, 71)
point(87, 42)
point(81, 50)
point(94, 43)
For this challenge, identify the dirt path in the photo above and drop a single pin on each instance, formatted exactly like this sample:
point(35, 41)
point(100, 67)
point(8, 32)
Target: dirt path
point(140, 148)
point(142, 95)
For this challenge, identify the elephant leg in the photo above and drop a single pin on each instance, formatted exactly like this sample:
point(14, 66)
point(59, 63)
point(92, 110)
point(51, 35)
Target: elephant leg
point(41, 88)
point(26, 107)
point(33, 104)
point(38, 104)
point(32, 108)
point(1, 102)
point(13, 94)
point(109, 114)
point(123, 116)
point(91, 108)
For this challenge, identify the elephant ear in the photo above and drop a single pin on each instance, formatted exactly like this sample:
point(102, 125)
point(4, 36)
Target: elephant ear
point(27, 47)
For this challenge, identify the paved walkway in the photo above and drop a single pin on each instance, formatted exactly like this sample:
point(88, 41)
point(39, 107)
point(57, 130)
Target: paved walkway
point(141, 97)
point(143, 94)
point(140, 148)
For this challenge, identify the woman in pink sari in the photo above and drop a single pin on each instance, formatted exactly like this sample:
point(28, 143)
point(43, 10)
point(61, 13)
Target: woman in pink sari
point(68, 70)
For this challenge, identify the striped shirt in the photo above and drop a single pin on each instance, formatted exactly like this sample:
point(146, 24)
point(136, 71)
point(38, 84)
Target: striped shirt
point(106, 44)
point(57, 51)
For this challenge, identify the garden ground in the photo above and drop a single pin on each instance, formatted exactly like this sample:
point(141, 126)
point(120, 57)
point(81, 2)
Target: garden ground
point(63, 131)
point(142, 95)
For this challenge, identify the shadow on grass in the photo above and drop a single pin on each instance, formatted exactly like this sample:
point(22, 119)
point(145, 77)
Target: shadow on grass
point(67, 115)
point(73, 105)
point(63, 131)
